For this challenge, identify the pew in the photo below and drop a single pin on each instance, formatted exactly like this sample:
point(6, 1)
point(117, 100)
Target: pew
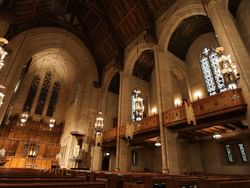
point(57, 184)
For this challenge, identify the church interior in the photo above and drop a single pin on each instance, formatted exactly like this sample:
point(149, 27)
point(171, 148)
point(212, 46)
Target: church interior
point(125, 93)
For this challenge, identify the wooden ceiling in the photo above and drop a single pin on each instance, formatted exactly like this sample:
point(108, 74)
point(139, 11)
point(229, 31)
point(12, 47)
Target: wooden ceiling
point(105, 26)
point(208, 131)
point(186, 32)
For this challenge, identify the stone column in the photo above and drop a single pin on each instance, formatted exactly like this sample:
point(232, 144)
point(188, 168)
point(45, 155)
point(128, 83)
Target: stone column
point(229, 38)
point(121, 162)
point(96, 158)
point(165, 102)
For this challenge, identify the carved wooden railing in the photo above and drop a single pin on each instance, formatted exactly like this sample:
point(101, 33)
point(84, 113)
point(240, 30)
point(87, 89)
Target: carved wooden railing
point(147, 124)
point(109, 135)
point(222, 103)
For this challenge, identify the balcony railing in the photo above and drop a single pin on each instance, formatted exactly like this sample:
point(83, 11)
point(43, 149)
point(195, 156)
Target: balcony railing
point(109, 135)
point(147, 124)
point(220, 104)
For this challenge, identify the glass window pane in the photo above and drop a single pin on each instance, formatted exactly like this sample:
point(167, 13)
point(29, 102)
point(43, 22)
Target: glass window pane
point(229, 153)
point(243, 153)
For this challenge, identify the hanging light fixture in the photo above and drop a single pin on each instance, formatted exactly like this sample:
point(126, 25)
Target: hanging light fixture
point(99, 124)
point(24, 117)
point(3, 52)
point(52, 123)
point(139, 106)
point(228, 69)
point(158, 143)
point(1, 94)
point(216, 136)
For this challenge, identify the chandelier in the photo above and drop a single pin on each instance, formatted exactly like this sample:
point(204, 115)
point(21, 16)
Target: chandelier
point(3, 52)
point(99, 124)
point(228, 69)
point(1, 94)
point(138, 105)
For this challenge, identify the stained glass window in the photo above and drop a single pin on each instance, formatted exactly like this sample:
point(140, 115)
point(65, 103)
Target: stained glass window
point(243, 153)
point(43, 93)
point(32, 93)
point(53, 99)
point(137, 106)
point(211, 73)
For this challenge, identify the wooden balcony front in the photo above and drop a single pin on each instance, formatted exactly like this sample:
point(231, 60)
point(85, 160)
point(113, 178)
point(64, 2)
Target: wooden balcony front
point(109, 135)
point(146, 125)
point(213, 107)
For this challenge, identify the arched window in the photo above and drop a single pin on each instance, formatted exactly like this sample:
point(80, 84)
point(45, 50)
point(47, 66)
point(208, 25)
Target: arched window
point(32, 93)
point(211, 71)
point(137, 105)
point(53, 98)
point(44, 93)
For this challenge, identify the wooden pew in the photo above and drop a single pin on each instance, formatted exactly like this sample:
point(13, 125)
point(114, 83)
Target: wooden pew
point(225, 183)
point(57, 184)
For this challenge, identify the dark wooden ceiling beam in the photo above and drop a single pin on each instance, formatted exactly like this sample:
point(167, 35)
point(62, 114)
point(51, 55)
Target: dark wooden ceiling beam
point(151, 28)
point(115, 34)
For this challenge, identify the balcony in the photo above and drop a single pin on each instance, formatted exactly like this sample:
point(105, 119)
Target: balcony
point(109, 135)
point(146, 125)
point(221, 106)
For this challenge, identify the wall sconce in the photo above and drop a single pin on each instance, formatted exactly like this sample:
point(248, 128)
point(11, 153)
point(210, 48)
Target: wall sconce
point(106, 154)
point(197, 95)
point(154, 110)
point(24, 117)
point(52, 123)
point(177, 102)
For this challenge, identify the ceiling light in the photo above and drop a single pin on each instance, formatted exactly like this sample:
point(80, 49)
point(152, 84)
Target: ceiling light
point(157, 143)
point(217, 136)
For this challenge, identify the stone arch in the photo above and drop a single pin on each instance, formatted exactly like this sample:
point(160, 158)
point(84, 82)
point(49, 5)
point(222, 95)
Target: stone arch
point(132, 55)
point(30, 42)
point(175, 20)
point(110, 73)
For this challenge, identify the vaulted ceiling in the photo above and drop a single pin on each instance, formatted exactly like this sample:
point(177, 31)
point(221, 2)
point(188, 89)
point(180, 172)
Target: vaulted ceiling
point(105, 26)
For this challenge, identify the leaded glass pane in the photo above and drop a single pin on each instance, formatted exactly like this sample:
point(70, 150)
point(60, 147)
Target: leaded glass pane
point(43, 93)
point(243, 153)
point(53, 99)
point(229, 153)
point(32, 93)
point(211, 73)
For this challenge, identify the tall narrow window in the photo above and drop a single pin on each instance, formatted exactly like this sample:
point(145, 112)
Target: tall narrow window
point(53, 99)
point(43, 93)
point(137, 105)
point(229, 153)
point(211, 72)
point(243, 153)
point(32, 93)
